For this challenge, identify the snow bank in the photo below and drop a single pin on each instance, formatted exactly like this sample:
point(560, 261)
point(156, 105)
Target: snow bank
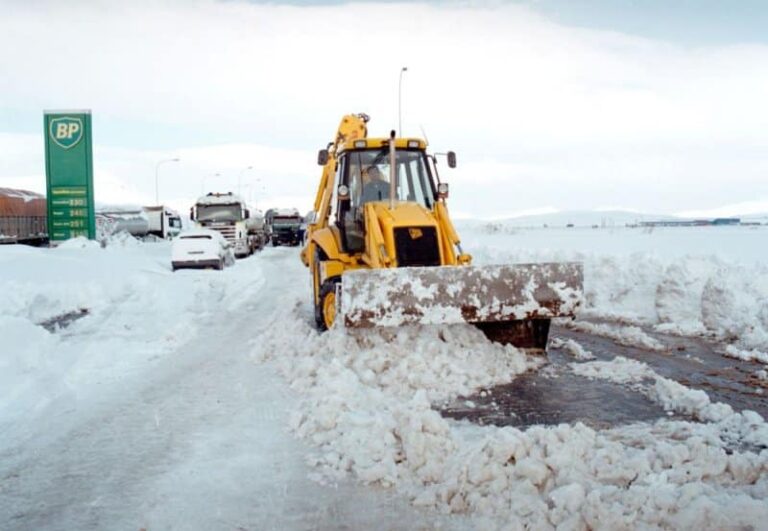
point(624, 335)
point(676, 293)
point(746, 355)
point(572, 347)
point(367, 410)
point(137, 310)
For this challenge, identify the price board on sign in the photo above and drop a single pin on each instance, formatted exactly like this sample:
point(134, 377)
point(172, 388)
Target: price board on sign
point(69, 175)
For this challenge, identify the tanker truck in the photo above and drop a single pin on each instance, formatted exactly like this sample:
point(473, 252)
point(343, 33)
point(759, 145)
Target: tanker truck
point(140, 222)
point(112, 220)
point(228, 214)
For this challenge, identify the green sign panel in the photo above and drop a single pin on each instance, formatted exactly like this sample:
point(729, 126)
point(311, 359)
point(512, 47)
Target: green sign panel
point(69, 175)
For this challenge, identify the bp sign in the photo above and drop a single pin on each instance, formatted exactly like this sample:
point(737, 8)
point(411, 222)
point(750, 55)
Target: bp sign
point(66, 131)
point(69, 175)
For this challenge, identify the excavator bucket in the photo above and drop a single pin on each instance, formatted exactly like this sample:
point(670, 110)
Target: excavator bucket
point(509, 303)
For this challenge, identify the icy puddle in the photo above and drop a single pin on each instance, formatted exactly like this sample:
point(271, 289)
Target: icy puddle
point(556, 395)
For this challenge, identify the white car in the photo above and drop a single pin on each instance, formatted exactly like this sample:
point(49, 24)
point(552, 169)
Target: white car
point(201, 248)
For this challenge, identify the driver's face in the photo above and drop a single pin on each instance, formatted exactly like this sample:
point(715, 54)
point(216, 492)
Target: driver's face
point(373, 174)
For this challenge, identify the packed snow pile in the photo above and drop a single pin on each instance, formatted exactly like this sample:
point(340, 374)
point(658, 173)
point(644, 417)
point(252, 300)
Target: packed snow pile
point(368, 409)
point(572, 347)
point(675, 287)
point(746, 355)
point(623, 335)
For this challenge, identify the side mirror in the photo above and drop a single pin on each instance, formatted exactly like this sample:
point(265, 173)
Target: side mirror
point(192, 213)
point(343, 191)
point(247, 213)
point(322, 157)
point(451, 159)
point(312, 218)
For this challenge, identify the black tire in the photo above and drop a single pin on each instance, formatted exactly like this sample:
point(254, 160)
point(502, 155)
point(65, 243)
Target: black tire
point(327, 287)
point(274, 242)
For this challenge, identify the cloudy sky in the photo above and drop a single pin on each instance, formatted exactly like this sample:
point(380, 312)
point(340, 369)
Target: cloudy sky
point(650, 106)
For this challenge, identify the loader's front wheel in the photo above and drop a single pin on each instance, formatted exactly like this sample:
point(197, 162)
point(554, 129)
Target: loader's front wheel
point(328, 303)
point(325, 307)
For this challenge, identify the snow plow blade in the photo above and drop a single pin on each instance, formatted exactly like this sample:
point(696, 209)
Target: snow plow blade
point(510, 303)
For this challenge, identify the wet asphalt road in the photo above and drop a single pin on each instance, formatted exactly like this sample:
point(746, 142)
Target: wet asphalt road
point(556, 395)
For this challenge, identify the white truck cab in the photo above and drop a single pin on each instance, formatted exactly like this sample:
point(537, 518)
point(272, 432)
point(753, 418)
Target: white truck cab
point(227, 214)
point(164, 222)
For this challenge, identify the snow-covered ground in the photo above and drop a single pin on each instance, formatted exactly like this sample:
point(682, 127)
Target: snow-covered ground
point(205, 400)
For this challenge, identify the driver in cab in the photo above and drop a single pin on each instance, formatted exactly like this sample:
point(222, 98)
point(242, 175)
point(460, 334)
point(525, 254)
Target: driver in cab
point(375, 188)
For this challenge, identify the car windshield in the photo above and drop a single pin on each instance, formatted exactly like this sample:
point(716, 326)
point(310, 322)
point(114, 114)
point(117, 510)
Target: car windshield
point(369, 174)
point(219, 212)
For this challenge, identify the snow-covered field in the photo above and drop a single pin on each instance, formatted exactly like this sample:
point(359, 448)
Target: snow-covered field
point(205, 399)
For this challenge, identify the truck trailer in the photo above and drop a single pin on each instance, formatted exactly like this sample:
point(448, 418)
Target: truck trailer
point(23, 217)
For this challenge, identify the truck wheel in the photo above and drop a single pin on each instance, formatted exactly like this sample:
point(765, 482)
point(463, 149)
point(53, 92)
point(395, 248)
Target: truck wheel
point(274, 242)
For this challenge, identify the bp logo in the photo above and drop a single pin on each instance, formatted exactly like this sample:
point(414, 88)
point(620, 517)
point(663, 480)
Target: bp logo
point(66, 131)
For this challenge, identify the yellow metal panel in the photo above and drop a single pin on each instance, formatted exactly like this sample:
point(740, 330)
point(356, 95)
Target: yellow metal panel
point(405, 214)
point(330, 268)
point(328, 241)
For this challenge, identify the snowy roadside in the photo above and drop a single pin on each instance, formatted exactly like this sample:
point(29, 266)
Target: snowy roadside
point(138, 313)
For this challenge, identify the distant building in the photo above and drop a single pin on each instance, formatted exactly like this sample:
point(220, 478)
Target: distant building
point(691, 222)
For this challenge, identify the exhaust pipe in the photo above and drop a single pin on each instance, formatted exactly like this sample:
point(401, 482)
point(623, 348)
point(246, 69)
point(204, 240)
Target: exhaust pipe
point(392, 171)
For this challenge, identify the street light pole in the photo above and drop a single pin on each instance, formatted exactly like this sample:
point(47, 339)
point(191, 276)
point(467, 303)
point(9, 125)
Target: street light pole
point(240, 177)
point(399, 102)
point(157, 169)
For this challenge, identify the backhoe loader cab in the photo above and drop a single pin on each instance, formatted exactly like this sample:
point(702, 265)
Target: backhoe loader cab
point(364, 176)
point(382, 250)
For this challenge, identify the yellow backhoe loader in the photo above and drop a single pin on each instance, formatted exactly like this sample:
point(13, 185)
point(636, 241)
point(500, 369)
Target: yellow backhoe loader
point(382, 250)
